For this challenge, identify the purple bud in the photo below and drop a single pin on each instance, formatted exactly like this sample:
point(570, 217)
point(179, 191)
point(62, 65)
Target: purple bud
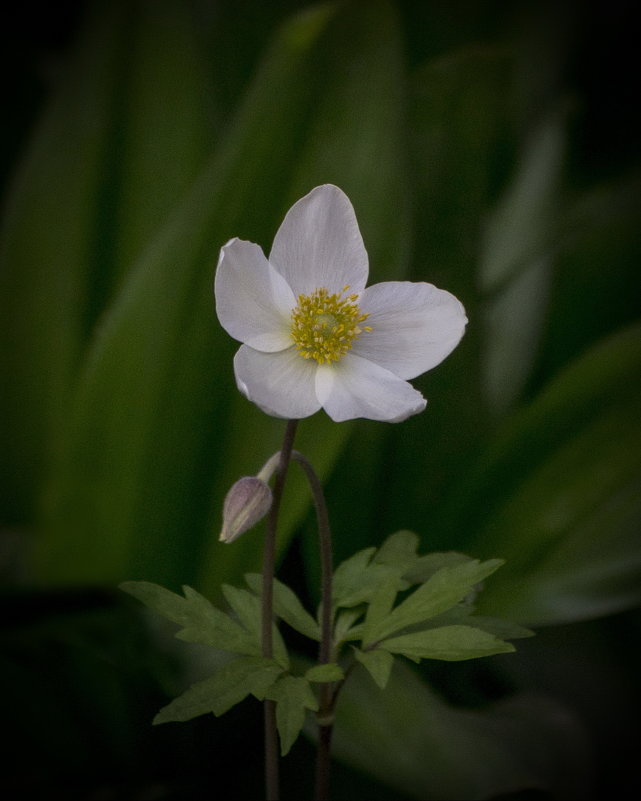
point(247, 502)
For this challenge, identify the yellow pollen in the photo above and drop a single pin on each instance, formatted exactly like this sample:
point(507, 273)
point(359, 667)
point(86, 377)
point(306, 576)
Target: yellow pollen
point(324, 326)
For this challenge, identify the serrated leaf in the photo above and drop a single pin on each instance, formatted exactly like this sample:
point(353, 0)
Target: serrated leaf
point(248, 608)
point(201, 621)
point(324, 673)
point(443, 590)
point(287, 606)
point(398, 550)
point(348, 575)
point(293, 696)
point(378, 664)
point(161, 600)
point(233, 682)
point(343, 630)
point(450, 643)
point(380, 606)
point(210, 626)
point(358, 578)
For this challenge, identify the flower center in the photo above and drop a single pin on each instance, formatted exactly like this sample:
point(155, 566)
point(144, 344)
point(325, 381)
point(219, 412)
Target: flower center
point(324, 326)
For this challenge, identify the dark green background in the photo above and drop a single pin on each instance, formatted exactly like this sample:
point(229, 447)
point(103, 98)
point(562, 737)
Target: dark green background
point(490, 148)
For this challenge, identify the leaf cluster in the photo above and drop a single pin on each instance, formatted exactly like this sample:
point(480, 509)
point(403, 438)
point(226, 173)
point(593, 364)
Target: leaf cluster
point(238, 631)
point(434, 616)
point(433, 620)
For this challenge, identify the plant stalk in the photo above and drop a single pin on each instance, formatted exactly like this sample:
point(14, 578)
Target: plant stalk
point(272, 792)
point(325, 715)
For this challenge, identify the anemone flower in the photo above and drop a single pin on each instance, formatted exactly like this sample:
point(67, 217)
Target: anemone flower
point(314, 336)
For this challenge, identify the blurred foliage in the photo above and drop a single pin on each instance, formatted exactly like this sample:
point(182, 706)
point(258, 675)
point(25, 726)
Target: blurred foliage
point(489, 148)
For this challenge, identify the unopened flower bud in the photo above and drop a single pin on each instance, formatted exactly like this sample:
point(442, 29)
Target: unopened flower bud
point(247, 502)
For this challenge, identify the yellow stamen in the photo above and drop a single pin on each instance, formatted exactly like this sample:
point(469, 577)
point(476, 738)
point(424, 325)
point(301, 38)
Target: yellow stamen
point(324, 326)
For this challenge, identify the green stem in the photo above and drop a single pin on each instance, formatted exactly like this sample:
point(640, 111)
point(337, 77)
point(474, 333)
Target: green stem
point(269, 561)
point(325, 714)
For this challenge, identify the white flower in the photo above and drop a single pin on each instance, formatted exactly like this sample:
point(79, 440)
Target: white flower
point(313, 336)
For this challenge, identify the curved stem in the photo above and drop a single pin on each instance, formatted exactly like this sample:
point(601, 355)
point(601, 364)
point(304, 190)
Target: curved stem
point(269, 562)
point(326, 702)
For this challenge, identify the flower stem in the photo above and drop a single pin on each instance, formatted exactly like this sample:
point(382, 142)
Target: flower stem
point(325, 715)
point(269, 561)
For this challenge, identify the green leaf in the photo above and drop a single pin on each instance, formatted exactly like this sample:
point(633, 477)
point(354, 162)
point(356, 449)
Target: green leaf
point(233, 682)
point(557, 494)
point(167, 68)
point(201, 622)
point(293, 696)
point(519, 230)
point(324, 673)
point(47, 261)
point(398, 550)
point(134, 486)
point(134, 93)
point(378, 664)
point(460, 114)
point(287, 606)
point(514, 324)
point(423, 747)
point(161, 600)
point(444, 589)
point(352, 130)
point(464, 614)
point(499, 627)
point(587, 561)
point(358, 578)
point(348, 578)
point(344, 628)
point(516, 263)
point(131, 488)
point(461, 120)
point(426, 566)
point(380, 606)
point(248, 608)
point(603, 226)
point(451, 643)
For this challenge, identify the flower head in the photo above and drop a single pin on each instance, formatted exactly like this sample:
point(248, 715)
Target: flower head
point(313, 335)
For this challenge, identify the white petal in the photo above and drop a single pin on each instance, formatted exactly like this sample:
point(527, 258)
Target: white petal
point(414, 326)
point(319, 244)
point(354, 387)
point(253, 301)
point(281, 384)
